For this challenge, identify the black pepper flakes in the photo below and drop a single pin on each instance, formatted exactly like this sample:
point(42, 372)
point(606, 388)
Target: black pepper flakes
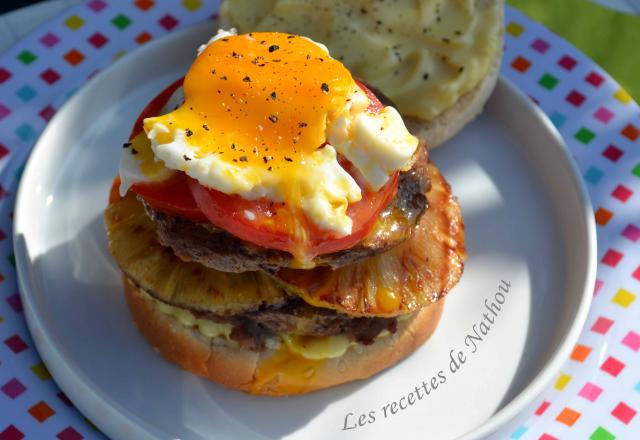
point(273, 118)
point(288, 159)
point(134, 151)
point(246, 79)
point(185, 157)
point(273, 95)
point(461, 69)
point(273, 48)
point(205, 126)
point(188, 132)
point(425, 76)
point(233, 146)
point(213, 71)
point(223, 77)
point(302, 124)
point(126, 145)
point(243, 158)
point(269, 169)
point(324, 87)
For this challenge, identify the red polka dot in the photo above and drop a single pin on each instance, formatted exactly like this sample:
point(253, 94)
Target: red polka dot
point(567, 62)
point(168, 22)
point(594, 79)
point(622, 193)
point(612, 366)
point(575, 98)
point(98, 40)
point(624, 413)
point(69, 434)
point(50, 76)
point(11, 433)
point(16, 344)
point(613, 153)
point(542, 408)
point(612, 258)
point(4, 75)
point(602, 325)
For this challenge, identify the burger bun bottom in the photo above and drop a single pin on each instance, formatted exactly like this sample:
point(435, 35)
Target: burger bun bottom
point(273, 372)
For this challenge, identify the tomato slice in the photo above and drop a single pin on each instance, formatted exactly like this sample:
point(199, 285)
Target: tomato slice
point(171, 196)
point(262, 222)
point(276, 226)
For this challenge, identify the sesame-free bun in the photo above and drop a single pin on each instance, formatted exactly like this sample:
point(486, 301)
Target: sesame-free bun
point(271, 372)
point(448, 123)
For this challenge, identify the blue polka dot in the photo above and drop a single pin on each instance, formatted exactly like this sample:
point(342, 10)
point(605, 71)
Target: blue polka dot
point(26, 132)
point(519, 432)
point(26, 93)
point(558, 119)
point(593, 175)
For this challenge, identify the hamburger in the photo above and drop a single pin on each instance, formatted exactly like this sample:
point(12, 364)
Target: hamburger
point(278, 229)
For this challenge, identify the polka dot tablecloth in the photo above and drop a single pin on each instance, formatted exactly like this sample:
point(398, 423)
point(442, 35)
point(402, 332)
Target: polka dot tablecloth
point(597, 393)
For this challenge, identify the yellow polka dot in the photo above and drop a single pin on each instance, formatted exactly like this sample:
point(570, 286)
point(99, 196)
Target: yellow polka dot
point(74, 22)
point(562, 381)
point(192, 5)
point(41, 371)
point(622, 96)
point(623, 298)
point(514, 29)
point(119, 55)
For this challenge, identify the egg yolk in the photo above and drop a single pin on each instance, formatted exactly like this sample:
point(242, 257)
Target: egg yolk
point(261, 100)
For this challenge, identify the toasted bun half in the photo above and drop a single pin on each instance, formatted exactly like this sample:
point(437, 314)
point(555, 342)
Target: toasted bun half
point(467, 107)
point(448, 123)
point(274, 372)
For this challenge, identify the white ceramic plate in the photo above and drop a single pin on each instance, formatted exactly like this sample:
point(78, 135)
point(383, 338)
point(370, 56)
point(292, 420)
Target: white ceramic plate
point(528, 223)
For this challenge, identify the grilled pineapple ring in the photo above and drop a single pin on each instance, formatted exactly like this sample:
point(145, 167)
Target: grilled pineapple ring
point(133, 244)
point(416, 273)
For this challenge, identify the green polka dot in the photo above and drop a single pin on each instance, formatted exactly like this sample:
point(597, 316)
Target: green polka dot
point(601, 434)
point(548, 81)
point(585, 135)
point(636, 170)
point(1, 319)
point(26, 57)
point(121, 21)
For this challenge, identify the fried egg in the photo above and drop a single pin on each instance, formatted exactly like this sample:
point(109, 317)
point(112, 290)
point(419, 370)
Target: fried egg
point(265, 115)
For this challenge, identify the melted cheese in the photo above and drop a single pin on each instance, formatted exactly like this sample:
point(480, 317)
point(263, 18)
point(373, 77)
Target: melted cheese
point(306, 347)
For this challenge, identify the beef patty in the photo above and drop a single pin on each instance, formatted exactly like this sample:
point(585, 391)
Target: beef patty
point(295, 317)
point(218, 249)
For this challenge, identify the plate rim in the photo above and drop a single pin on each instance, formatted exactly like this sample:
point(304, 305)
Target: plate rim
point(63, 369)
